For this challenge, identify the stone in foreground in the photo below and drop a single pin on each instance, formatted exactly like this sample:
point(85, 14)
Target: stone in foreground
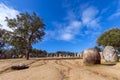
point(110, 54)
point(81, 55)
point(91, 56)
point(19, 66)
point(101, 55)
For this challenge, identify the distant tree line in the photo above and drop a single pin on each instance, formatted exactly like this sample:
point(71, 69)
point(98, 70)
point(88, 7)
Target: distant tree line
point(13, 53)
point(63, 53)
point(34, 53)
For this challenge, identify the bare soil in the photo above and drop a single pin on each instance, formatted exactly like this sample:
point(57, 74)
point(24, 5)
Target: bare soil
point(59, 69)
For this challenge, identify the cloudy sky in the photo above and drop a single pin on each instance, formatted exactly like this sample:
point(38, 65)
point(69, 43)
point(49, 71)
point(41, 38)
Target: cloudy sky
point(71, 25)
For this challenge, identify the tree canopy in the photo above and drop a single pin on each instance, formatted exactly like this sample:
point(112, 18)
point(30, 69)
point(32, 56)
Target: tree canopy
point(1, 39)
point(26, 30)
point(110, 38)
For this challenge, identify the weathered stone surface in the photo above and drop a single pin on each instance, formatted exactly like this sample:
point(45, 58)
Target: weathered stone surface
point(101, 55)
point(110, 54)
point(91, 56)
point(81, 55)
point(19, 66)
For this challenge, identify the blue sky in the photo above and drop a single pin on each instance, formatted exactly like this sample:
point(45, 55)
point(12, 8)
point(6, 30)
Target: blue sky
point(71, 25)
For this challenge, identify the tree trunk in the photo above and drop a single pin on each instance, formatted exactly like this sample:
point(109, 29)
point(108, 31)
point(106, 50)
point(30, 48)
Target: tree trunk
point(27, 54)
point(27, 51)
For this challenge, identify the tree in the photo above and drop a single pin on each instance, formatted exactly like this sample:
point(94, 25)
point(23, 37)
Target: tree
point(110, 38)
point(38, 53)
point(1, 31)
point(64, 53)
point(26, 30)
point(98, 48)
point(1, 43)
point(1, 40)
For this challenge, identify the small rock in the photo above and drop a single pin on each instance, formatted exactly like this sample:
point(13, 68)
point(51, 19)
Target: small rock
point(19, 66)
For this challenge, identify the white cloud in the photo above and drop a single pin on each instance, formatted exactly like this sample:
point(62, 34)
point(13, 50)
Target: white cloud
point(70, 31)
point(89, 17)
point(6, 11)
point(67, 36)
point(73, 24)
point(70, 16)
point(116, 14)
point(65, 31)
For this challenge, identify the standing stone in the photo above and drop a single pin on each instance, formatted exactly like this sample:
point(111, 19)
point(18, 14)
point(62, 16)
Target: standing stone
point(81, 55)
point(91, 56)
point(78, 55)
point(101, 55)
point(110, 54)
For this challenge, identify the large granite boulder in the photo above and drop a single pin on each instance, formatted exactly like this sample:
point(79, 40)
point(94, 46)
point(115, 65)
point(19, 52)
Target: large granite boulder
point(101, 55)
point(91, 56)
point(110, 54)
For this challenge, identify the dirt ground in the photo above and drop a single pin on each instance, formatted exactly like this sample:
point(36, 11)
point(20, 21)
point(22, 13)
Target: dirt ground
point(61, 69)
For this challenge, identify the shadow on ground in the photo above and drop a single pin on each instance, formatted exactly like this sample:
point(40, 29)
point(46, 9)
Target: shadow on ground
point(59, 58)
point(110, 64)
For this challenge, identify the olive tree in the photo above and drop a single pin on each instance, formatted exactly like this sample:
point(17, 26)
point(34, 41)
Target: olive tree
point(26, 30)
point(110, 37)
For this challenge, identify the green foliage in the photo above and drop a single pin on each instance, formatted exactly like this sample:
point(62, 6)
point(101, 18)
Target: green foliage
point(110, 38)
point(98, 48)
point(38, 53)
point(26, 30)
point(63, 53)
point(1, 39)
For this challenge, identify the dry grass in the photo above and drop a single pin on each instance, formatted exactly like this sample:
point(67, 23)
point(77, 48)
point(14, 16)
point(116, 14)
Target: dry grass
point(59, 69)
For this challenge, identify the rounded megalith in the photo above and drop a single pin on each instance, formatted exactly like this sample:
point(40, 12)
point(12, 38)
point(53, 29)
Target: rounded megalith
point(91, 56)
point(110, 54)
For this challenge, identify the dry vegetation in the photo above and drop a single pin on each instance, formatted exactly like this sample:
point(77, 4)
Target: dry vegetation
point(64, 69)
